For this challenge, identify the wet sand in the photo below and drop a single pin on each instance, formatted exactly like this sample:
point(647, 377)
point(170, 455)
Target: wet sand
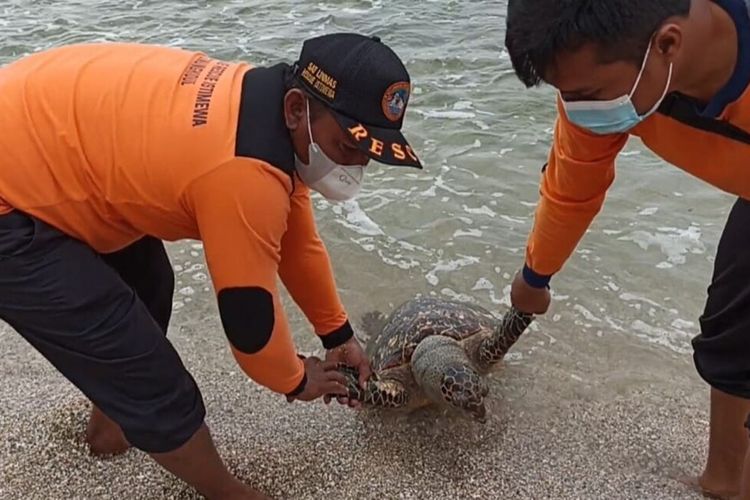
point(569, 419)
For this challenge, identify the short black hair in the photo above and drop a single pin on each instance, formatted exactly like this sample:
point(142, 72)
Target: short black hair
point(537, 31)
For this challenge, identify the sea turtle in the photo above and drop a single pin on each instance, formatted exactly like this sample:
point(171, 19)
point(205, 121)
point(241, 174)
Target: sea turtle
point(434, 351)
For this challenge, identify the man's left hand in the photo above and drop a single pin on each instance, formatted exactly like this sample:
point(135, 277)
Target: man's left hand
point(351, 354)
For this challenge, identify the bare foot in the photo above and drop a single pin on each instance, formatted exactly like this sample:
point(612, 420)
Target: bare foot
point(252, 494)
point(237, 490)
point(104, 436)
point(706, 489)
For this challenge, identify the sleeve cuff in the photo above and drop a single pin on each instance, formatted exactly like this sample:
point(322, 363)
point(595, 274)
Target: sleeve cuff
point(301, 387)
point(338, 337)
point(534, 279)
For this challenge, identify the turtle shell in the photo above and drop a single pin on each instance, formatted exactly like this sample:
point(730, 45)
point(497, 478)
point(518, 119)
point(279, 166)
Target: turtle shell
point(418, 319)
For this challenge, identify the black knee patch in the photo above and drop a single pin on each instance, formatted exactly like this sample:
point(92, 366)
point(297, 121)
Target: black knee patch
point(247, 315)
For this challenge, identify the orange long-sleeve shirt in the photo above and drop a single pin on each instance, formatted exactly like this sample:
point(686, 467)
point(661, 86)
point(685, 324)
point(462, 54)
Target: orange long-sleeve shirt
point(581, 168)
point(111, 142)
point(708, 140)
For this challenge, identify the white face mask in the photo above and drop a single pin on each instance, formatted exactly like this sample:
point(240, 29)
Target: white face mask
point(335, 182)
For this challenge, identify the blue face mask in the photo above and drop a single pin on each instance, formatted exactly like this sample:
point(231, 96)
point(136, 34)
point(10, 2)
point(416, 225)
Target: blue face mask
point(615, 116)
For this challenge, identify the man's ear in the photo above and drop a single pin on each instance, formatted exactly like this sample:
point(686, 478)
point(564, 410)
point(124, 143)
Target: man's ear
point(294, 109)
point(668, 40)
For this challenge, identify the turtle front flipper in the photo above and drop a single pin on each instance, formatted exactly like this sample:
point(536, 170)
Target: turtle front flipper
point(506, 334)
point(377, 393)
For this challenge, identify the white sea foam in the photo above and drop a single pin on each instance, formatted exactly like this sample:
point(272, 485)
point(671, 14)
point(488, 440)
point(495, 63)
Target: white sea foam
point(444, 266)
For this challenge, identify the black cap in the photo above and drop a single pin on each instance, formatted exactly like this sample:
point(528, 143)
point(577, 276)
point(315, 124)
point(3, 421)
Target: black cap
point(366, 86)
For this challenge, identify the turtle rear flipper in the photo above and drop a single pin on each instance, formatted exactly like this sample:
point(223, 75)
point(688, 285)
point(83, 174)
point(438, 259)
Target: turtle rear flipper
point(377, 393)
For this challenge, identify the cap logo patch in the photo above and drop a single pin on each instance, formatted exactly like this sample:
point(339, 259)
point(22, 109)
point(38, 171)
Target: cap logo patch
point(320, 81)
point(395, 99)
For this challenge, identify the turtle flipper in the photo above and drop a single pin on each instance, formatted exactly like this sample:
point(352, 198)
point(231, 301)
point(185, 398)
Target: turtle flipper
point(377, 392)
point(507, 333)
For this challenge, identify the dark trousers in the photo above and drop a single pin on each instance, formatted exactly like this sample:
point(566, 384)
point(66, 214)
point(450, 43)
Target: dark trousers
point(101, 320)
point(722, 350)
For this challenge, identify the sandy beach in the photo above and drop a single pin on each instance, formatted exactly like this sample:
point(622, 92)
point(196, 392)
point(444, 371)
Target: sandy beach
point(576, 422)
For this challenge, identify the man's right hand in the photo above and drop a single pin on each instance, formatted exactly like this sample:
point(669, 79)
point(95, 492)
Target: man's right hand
point(322, 378)
point(528, 299)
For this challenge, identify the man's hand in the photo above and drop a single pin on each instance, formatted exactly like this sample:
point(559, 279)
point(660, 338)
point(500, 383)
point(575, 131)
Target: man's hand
point(528, 299)
point(351, 354)
point(322, 378)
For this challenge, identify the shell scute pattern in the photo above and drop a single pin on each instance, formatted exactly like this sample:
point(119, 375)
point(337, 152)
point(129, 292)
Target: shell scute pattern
point(418, 319)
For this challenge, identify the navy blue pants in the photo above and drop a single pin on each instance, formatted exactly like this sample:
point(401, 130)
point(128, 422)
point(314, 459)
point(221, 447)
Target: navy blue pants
point(101, 320)
point(722, 350)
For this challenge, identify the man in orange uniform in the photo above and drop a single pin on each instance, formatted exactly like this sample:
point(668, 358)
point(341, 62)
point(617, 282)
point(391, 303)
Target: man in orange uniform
point(676, 74)
point(108, 149)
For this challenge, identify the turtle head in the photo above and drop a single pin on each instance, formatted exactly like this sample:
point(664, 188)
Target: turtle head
point(444, 372)
point(463, 388)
